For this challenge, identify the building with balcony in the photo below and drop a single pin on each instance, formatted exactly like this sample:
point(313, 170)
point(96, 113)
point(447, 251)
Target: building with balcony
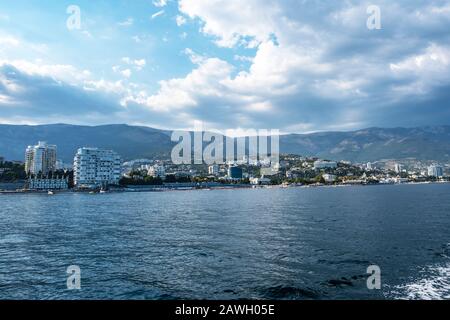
point(40, 159)
point(36, 183)
point(95, 168)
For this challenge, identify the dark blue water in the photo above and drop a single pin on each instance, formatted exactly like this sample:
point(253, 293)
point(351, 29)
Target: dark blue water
point(228, 244)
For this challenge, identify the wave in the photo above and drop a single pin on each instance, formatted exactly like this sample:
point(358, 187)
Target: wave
point(432, 284)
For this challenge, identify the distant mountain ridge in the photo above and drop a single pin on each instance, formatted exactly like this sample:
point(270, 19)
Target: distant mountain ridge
point(130, 142)
point(134, 142)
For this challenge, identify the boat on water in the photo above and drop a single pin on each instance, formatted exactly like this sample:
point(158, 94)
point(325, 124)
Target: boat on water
point(50, 193)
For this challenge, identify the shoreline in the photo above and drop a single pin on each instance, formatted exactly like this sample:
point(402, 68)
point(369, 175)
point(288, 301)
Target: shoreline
point(208, 188)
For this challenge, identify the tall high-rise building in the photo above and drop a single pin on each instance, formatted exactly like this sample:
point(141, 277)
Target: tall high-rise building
point(435, 171)
point(398, 168)
point(95, 167)
point(40, 159)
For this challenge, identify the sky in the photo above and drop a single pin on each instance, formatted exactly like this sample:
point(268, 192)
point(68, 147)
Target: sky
point(294, 65)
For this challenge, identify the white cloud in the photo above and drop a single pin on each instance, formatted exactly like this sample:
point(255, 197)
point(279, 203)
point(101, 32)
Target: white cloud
point(9, 41)
point(312, 67)
point(159, 3)
point(243, 58)
point(435, 59)
point(116, 69)
point(138, 64)
point(67, 73)
point(423, 71)
point(180, 20)
point(126, 73)
point(182, 93)
point(157, 14)
point(232, 21)
point(126, 23)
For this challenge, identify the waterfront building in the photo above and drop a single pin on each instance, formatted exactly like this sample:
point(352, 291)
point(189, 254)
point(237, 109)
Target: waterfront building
point(213, 170)
point(235, 172)
point(289, 174)
point(319, 164)
point(40, 159)
point(435, 171)
point(36, 183)
point(157, 171)
point(95, 167)
point(329, 178)
point(369, 166)
point(260, 181)
point(398, 168)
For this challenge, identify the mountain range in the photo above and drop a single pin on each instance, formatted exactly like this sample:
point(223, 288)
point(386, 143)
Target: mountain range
point(136, 142)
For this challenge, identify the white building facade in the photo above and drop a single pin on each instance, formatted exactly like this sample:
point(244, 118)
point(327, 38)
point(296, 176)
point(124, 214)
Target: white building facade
point(398, 168)
point(48, 184)
point(329, 178)
point(435, 171)
point(40, 159)
point(157, 171)
point(95, 167)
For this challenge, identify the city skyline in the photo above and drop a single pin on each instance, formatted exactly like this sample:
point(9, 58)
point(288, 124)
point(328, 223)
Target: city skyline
point(167, 64)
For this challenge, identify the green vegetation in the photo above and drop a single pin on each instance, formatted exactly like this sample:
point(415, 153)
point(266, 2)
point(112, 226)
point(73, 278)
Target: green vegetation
point(12, 172)
point(135, 179)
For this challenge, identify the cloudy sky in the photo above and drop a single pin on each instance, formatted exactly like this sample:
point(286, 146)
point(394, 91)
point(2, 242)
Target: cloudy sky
point(293, 65)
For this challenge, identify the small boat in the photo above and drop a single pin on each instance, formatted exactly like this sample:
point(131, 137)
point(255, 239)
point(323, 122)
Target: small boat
point(50, 193)
point(103, 191)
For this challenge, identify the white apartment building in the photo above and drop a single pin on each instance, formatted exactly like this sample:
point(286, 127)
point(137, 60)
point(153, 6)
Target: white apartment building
point(95, 167)
point(435, 171)
point(329, 178)
point(40, 159)
point(157, 171)
point(260, 181)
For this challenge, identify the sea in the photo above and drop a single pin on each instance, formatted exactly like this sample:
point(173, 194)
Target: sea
point(266, 243)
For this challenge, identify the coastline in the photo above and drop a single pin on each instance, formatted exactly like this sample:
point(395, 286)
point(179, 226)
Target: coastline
point(172, 188)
